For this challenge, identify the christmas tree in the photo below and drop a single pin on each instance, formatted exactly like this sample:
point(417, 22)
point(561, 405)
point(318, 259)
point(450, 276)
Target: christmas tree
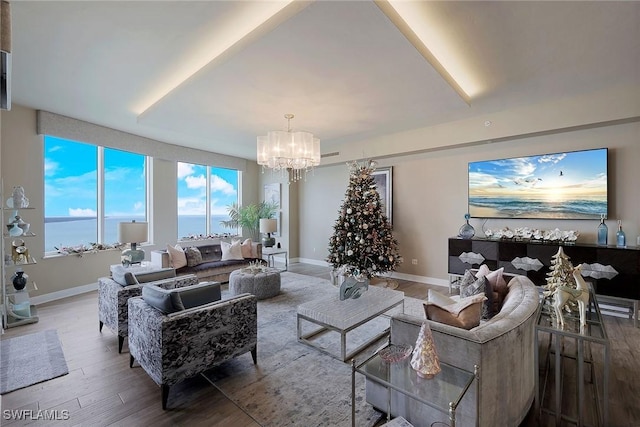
point(362, 243)
point(561, 273)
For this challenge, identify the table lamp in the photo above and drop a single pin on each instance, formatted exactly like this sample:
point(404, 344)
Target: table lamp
point(268, 226)
point(133, 233)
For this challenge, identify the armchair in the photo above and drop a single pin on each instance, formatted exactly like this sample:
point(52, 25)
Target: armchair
point(182, 344)
point(113, 297)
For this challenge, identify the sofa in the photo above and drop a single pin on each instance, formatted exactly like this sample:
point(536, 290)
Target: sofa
point(115, 291)
point(211, 266)
point(178, 334)
point(502, 347)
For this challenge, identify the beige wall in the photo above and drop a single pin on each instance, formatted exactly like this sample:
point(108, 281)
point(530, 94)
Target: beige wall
point(430, 195)
point(58, 276)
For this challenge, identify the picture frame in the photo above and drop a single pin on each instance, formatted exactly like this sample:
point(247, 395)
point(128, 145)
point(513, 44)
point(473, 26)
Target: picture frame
point(383, 177)
point(272, 193)
point(278, 233)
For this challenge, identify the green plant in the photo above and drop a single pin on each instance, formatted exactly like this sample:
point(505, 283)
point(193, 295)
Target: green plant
point(248, 217)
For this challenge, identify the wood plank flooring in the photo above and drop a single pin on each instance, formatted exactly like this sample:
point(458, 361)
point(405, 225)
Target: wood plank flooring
point(101, 389)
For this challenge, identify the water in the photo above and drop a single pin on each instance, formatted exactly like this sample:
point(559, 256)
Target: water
point(506, 207)
point(74, 231)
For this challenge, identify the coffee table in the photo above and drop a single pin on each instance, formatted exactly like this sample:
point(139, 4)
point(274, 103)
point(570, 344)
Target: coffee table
point(330, 313)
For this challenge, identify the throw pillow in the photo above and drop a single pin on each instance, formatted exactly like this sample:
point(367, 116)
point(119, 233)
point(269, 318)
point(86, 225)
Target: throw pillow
point(177, 257)
point(193, 255)
point(231, 251)
point(498, 286)
point(467, 280)
point(463, 314)
point(246, 249)
point(439, 299)
point(481, 286)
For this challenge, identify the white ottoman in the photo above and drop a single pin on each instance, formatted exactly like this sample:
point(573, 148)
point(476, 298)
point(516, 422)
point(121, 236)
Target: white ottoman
point(264, 284)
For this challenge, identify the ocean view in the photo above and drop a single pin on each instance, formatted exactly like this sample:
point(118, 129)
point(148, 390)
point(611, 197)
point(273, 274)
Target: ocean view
point(511, 207)
point(73, 231)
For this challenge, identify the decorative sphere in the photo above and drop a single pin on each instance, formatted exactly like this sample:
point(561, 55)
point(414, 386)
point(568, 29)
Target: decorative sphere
point(349, 211)
point(349, 252)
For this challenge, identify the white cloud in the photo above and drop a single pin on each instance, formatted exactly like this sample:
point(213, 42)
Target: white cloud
point(50, 167)
point(184, 169)
point(191, 206)
point(219, 184)
point(138, 206)
point(194, 182)
point(55, 148)
point(82, 212)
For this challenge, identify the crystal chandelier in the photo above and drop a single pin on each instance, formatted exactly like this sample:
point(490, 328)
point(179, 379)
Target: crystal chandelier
point(290, 152)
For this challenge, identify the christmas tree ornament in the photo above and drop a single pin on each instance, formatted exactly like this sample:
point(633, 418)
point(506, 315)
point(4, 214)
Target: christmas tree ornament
point(424, 359)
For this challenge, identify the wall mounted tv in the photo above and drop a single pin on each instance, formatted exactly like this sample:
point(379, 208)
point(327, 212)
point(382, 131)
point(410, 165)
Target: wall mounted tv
point(570, 185)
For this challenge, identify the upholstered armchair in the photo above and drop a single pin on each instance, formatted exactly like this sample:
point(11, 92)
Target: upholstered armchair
point(174, 346)
point(113, 297)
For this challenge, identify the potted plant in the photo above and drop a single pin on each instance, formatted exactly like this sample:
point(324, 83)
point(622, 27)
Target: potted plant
point(248, 217)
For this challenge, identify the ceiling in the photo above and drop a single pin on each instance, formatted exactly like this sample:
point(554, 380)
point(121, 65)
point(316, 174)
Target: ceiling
point(213, 75)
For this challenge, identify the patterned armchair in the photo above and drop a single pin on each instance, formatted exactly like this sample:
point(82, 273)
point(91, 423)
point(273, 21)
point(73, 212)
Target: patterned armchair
point(113, 297)
point(180, 345)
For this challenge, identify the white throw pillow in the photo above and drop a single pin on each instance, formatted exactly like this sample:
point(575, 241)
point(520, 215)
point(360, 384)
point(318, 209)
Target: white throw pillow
point(246, 249)
point(177, 258)
point(231, 251)
point(439, 299)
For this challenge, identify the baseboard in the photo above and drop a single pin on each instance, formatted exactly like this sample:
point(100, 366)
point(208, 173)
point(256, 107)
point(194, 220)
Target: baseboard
point(53, 296)
point(311, 261)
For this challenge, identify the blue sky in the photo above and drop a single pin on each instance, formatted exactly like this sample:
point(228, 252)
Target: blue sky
point(562, 175)
point(192, 187)
point(71, 179)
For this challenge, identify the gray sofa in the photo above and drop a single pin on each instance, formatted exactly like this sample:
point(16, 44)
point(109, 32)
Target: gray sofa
point(212, 268)
point(501, 346)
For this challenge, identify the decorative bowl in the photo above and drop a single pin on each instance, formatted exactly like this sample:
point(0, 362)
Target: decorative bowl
point(395, 353)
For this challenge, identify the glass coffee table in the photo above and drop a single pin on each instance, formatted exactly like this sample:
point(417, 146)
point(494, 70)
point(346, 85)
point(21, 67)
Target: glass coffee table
point(332, 314)
point(442, 392)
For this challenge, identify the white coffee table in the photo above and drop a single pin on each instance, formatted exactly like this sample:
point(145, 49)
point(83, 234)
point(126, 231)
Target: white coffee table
point(343, 316)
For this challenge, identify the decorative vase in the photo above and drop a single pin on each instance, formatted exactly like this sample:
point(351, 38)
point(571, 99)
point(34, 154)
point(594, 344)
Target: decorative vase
point(602, 232)
point(353, 288)
point(424, 359)
point(18, 198)
point(467, 231)
point(19, 280)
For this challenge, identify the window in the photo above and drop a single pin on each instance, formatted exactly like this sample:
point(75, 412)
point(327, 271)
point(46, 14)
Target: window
point(125, 190)
point(73, 214)
point(204, 192)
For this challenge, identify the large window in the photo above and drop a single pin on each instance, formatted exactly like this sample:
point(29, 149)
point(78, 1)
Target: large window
point(77, 208)
point(204, 192)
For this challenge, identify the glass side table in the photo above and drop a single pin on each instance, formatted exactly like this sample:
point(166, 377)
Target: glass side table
point(442, 392)
point(593, 333)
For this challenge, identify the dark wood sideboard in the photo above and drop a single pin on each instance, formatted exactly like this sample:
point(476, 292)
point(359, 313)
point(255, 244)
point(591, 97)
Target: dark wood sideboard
point(614, 271)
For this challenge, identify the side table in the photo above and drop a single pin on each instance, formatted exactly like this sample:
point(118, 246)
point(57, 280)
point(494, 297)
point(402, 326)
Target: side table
point(595, 333)
point(442, 392)
point(271, 252)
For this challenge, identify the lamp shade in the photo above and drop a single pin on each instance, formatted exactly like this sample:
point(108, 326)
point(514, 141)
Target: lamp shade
point(268, 225)
point(132, 232)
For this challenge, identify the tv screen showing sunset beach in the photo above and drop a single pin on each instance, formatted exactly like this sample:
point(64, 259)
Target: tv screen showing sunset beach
point(571, 185)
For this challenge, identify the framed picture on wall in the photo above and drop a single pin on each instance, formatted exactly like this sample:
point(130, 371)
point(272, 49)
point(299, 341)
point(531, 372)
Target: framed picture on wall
point(272, 193)
point(383, 179)
point(278, 216)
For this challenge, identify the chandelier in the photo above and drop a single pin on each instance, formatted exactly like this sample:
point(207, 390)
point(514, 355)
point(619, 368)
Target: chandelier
point(290, 152)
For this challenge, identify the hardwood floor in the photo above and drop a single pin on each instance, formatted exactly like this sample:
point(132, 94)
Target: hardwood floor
point(101, 389)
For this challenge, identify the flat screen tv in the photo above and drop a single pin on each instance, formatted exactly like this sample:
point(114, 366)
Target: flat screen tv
point(570, 185)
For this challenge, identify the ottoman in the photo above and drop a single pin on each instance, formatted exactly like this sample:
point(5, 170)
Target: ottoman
point(263, 284)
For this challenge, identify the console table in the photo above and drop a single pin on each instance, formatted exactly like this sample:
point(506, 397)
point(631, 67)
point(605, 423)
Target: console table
point(614, 271)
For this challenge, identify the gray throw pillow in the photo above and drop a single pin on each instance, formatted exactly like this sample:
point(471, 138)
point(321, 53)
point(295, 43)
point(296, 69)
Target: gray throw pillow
point(480, 285)
point(194, 256)
point(178, 299)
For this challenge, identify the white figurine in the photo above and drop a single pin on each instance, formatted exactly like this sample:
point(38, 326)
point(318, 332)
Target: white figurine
point(563, 294)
